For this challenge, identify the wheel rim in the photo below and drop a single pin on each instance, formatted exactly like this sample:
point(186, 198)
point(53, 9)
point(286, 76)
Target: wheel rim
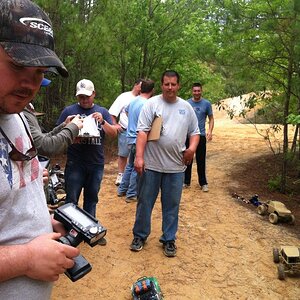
point(261, 210)
point(273, 218)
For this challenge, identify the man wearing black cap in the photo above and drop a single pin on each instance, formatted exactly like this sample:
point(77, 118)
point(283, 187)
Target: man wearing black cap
point(30, 256)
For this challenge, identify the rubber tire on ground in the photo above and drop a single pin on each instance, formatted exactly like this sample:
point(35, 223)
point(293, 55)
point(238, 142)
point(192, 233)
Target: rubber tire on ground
point(273, 218)
point(292, 221)
point(276, 255)
point(262, 209)
point(281, 273)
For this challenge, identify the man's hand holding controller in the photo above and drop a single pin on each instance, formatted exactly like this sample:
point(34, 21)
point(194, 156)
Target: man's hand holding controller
point(43, 258)
point(47, 258)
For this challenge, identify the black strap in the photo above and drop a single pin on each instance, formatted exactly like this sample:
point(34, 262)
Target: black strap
point(9, 141)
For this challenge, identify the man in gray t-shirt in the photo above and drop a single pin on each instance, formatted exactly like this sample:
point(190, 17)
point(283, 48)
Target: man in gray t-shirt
point(30, 256)
point(161, 164)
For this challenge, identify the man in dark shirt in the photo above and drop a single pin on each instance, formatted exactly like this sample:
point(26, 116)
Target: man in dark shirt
point(203, 109)
point(85, 158)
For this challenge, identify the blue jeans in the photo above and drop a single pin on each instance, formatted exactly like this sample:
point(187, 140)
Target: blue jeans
point(149, 185)
point(80, 176)
point(129, 180)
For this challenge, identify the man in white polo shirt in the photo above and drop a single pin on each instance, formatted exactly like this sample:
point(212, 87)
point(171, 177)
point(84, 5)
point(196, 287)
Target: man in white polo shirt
point(117, 110)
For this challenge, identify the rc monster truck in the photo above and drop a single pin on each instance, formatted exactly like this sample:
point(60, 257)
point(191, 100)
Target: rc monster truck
point(288, 258)
point(146, 288)
point(277, 212)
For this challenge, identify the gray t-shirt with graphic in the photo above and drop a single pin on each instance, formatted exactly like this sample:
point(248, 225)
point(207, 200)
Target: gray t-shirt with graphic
point(178, 122)
point(23, 210)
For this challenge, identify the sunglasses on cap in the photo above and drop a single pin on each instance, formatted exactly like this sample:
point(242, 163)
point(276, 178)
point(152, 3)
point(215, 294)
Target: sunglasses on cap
point(15, 154)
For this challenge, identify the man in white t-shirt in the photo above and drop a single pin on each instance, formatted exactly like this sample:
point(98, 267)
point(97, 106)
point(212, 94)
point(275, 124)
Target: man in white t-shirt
point(117, 110)
point(30, 256)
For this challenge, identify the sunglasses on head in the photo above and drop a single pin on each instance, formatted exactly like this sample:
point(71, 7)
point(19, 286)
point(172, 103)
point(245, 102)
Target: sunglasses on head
point(15, 154)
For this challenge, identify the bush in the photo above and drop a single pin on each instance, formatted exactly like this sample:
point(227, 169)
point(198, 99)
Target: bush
point(274, 183)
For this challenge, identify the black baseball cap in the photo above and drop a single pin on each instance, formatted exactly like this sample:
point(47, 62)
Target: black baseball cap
point(26, 35)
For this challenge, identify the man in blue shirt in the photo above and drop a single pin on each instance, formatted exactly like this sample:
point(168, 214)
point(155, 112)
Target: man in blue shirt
point(128, 184)
point(203, 109)
point(85, 158)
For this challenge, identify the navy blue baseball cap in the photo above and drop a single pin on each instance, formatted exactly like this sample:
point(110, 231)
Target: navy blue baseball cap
point(45, 82)
point(26, 35)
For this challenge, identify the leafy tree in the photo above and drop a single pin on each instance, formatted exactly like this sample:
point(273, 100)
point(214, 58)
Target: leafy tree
point(260, 50)
point(232, 46)
point(114, 42)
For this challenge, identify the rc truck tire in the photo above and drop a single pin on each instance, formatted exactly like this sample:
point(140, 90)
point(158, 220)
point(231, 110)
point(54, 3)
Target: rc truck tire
point(276, 255)
point(273, 218)
point(60, 191)
point(261, 210)
point(292, 221)
point(281, 273)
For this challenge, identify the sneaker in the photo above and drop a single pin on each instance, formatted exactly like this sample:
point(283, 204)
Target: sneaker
point(119, 179)
point(137, 244)
point(170, 249)
point(102, 242)
point(204, 188)
point(186, 185)
point(122, 194)
point(131, 199)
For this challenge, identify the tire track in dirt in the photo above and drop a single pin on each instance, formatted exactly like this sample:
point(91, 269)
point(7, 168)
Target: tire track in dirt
point(224, 249)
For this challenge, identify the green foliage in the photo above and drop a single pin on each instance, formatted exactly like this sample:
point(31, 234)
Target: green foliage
point(274, 183)
point(114, 42)
point(293, 119)
point(232, 47)
point(258, 46)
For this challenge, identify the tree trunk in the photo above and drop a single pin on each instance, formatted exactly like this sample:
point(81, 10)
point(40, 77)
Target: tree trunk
point(295, 139)
point(285, 124)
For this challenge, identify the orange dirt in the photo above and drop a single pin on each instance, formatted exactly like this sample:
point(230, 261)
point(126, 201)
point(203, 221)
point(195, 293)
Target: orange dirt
point(224, 248)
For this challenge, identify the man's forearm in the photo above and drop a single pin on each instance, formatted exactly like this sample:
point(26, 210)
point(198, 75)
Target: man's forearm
point(13, 261)
point(110, 130)
point(114, 120)
point(211, 124)
point(56, 129)
point(194, 141)
point(141, 142)
point(54, 144)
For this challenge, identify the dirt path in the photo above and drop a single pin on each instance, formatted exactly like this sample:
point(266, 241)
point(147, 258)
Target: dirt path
point(224, 249)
